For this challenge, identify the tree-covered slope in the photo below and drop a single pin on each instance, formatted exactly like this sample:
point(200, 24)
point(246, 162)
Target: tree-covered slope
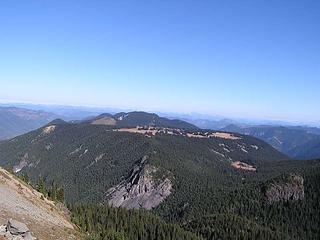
point(88, 159)
point(245, 212)
point(212, 191)
point(103, 222)
point(71, 153)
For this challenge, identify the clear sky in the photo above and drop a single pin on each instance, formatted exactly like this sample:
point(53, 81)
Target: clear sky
point(253, 59)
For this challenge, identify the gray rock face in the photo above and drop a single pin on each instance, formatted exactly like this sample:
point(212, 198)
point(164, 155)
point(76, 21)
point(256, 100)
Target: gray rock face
point(15, 230)
point(290, 188)
point(141, 189)
point(23, 163)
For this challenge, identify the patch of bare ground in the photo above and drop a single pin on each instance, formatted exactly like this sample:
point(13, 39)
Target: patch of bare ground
point(105, 121)
point(49, 129)
point(224, 135)
point(152, 131)
point(21, 202)
point(243, 166)
point(140, 131)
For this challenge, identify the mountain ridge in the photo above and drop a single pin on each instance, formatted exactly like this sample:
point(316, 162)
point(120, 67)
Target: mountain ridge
point(296, 142)
point(138, 118)
point(15, 121)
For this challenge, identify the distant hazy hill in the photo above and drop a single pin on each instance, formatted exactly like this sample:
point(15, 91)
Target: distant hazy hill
point(297, 142)
point(313, 130)
point(133, 119)
point(15, 121)
point(211, 124)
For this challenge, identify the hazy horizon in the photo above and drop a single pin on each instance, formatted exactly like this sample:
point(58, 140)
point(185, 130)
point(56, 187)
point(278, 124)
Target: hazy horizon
point(171, 114)
point(252, 60)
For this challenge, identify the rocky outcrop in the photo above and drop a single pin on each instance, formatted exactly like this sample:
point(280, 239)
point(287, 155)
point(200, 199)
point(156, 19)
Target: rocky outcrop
point(287, 188)
point(141, 189)
point(23, 163)
point(15, 230)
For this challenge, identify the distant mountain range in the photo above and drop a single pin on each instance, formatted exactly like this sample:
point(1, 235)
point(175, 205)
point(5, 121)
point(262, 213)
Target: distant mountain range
point(211, 124)
point(297, 142)
point(15, 121)
point(67, 113)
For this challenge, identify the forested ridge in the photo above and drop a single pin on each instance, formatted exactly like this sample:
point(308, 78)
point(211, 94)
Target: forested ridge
point(210, 199)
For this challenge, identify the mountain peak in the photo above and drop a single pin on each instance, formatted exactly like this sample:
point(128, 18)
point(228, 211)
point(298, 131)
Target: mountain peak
point(139, 118)
point(57, 121)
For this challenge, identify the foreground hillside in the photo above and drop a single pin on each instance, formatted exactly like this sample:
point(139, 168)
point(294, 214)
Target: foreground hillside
point(216, 185)
point(15, 121)
point(22, 203)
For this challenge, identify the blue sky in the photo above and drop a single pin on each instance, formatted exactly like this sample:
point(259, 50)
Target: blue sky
point(248, 59)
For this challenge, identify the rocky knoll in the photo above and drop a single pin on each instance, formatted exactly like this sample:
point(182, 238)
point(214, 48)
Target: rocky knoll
point(141, 189)
point(286, 188)
point(15, 230)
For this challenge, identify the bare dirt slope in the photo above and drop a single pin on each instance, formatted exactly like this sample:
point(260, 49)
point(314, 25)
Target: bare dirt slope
point(20, 202)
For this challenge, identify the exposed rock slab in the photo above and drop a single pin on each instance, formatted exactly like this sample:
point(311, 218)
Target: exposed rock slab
point(141, 189)
point(23, 163)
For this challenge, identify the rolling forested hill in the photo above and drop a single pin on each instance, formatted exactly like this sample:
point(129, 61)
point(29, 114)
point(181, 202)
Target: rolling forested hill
point(74, 153)
point(214, 184)
point(133, 119)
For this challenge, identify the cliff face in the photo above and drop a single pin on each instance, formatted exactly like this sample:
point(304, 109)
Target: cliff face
point(288, 188)
point(141, 189)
